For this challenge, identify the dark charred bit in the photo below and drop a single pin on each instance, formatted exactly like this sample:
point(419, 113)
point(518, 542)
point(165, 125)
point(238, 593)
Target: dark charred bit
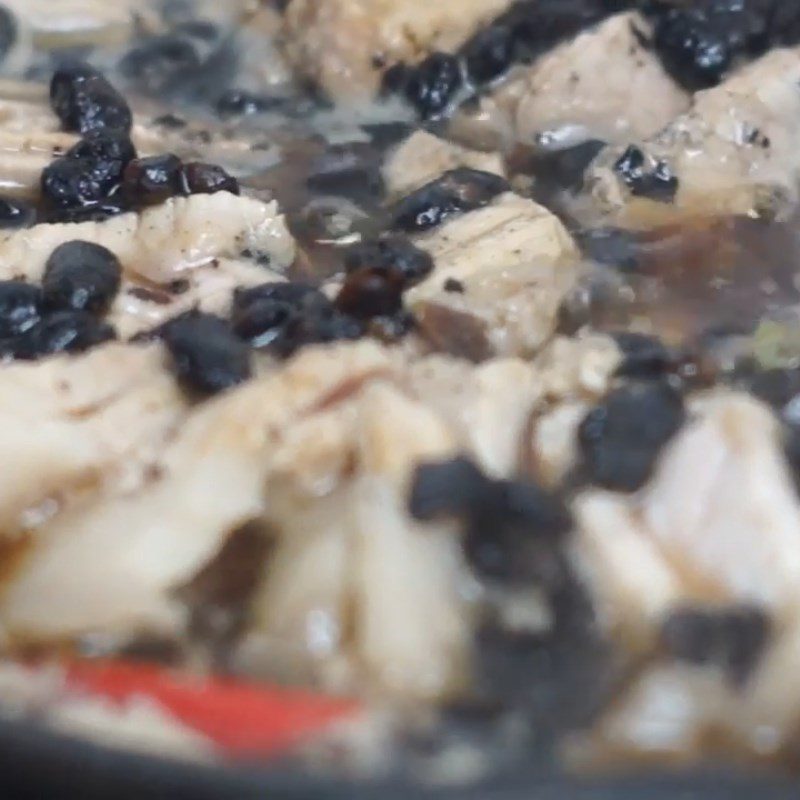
point(81, 276)
point(621, 439)
point(700, 42)
point(644, 357)
point(456, 191)
point(371, 292)
point(241, 103)
point(207, 356)
point(84, 100)
point(433, 84)
point(449, 330)
point(502, 519)
point(201, 178)
point(391, 254)
point(733, 638)
point(16, 214)
point(646, 177)
point(149, 181)
point(150, 295)
point(454, 286)
point(489, 53)
point(62, 332)
point(20, 307)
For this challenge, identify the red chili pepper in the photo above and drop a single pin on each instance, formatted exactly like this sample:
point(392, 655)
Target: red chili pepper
point(242, 718)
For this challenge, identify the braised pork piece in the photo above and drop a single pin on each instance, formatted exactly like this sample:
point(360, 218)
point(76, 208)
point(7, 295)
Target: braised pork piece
point(414, 385)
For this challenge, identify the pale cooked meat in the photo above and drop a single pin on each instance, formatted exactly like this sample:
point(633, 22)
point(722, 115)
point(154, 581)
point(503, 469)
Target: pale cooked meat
point(631, 582)
point(344, 45)
point(423, 157)
point(682, 712)
point(734, 151)
point(604, 84)
point(488, 405)
point(70, 424)
point(412, 628)
point(163, 242)
point(24, 112)
point(130, 545)
point(571, 373)
point(369, 594)
point(553, 448)
point(141, 306)
point(23, 156)
point(515, 262)
point(722, 490)
point(718, 522)
point(581, 366)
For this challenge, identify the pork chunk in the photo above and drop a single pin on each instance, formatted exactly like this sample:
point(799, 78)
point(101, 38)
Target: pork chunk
point(718, 522)
point(71, 424)
point(733, 152)
point(344, 45)
point(130, 543)
point(423, 157)
point(503, 270)
point(604, 84)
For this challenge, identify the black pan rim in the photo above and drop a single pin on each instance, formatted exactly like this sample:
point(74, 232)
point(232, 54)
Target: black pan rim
point(38, 764)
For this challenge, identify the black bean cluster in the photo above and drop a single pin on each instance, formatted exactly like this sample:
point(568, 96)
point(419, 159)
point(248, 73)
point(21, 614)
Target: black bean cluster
point(101, 175)
point(65, 314)
point(85, 101)
point(210, 354)
point(453, 192)
point(526, 31)
point(207, 356)
point(699, 42)
point(286, 316)
point(646, 177)
point(501, 517)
